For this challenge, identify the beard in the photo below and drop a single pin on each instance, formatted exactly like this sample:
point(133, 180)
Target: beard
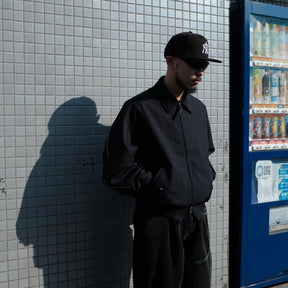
point(188, 88)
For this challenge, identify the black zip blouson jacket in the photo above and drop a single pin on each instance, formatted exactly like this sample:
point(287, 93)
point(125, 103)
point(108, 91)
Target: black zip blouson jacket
point(158, 150)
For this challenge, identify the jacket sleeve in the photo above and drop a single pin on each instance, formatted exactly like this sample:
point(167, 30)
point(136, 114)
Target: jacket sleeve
point(210, 140)
point(211, 145)
point(121, 171)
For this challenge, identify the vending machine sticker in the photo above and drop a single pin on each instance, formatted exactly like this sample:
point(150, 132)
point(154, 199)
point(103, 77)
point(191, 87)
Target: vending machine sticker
point(272, 181)
point(263, 169)
point(282, 170)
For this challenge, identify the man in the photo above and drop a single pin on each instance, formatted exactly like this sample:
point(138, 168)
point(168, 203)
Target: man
point(157, 151)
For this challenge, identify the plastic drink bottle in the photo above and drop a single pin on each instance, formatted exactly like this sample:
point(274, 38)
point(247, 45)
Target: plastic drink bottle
point(257, 79)
point(257, 38)
point(266, 87)
point(266, 40)
point(282, 41)
point(282, 87)
point(274, 40)
point(274, 86)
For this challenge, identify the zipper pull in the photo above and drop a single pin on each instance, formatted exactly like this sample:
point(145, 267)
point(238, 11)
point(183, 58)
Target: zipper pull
point(179, 107)
point(178, 110)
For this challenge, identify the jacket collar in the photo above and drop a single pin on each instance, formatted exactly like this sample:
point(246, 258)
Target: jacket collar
point(168, 101)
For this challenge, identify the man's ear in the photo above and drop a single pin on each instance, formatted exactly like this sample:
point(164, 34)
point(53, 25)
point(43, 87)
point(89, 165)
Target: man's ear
point(170, 60)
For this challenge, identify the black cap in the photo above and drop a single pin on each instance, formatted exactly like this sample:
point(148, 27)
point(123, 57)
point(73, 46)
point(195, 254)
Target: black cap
point(189, 45)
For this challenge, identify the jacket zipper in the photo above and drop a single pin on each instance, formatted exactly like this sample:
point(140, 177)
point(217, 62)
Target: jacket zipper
point(185, 148)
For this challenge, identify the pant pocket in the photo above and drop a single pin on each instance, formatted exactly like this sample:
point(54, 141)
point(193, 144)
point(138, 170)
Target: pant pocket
point(198, 262)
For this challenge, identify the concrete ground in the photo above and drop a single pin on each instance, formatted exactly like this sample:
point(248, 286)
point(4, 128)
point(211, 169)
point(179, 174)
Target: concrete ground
point(284, 285)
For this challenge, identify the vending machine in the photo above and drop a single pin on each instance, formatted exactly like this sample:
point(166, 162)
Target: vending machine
point(258, 145)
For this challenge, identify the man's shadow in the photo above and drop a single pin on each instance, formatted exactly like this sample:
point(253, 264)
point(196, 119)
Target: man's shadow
point(79, 228)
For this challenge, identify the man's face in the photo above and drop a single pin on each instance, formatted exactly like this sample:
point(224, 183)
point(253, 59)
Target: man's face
point(187, 77)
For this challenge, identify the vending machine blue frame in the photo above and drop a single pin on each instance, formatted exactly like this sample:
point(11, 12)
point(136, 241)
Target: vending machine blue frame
point(258, 243)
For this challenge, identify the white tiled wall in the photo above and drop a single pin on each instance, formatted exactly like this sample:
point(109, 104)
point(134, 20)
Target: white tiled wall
point(66, 67)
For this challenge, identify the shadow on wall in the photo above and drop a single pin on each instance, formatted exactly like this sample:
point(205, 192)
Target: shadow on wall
point(78, 227)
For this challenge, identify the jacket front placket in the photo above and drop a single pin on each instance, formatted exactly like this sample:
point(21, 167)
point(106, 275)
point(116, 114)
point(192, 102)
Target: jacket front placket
point(186, 150)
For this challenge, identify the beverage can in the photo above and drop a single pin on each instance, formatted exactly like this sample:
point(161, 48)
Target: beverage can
point(266, 87)
point(274, 127)
point(274, 86)
point(251, 129)
point(257, 38)
point(251, 85)
point(266, 40)
point(282, 87)
point(286, 88)
point(281, 127)
point(286, 30)
point(256, 128)
point(282, 41)
point(274, 39)
point(286, 125)
point(257, 91)
point(265, 127)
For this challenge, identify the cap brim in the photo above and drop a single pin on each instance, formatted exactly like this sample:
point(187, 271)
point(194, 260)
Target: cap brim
point(214, 60)
point(205, 59)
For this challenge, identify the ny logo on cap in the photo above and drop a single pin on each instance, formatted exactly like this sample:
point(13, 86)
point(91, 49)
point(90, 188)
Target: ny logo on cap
point(205, 48)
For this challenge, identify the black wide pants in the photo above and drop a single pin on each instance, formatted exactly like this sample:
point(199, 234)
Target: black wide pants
point(172, 254)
